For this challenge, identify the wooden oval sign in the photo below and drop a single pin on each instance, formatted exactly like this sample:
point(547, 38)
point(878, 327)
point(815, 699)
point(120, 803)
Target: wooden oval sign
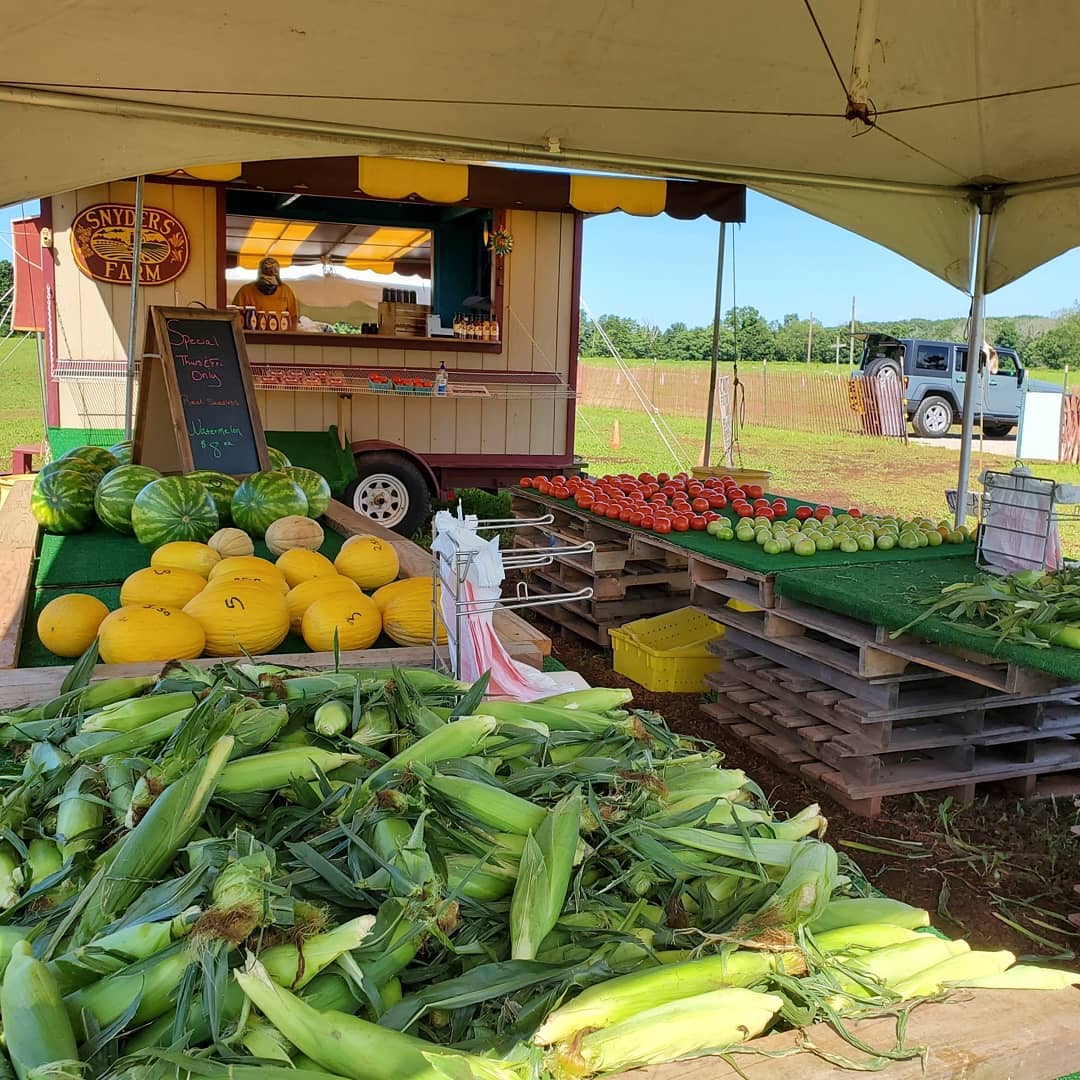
point(102, 237)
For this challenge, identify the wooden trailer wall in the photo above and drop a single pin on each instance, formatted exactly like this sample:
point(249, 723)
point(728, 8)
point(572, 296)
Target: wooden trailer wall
point(527, 377)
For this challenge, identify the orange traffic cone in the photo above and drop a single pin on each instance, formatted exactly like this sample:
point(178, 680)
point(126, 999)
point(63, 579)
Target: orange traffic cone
point(616, 437)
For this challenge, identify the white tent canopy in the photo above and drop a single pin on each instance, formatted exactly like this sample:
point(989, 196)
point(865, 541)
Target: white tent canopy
point(955, 94)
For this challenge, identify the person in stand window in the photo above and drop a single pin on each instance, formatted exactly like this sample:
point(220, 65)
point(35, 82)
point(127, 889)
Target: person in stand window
point(268, 292)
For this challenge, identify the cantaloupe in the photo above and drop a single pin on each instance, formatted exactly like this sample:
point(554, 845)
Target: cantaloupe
point(353, 615)
point(240, 617)
point(369, 561)
point(250, 567)
point(229, 543)
point(408, 616)
point(293, 531)
point(301, 597)
point(162, 585)
point(151, 632)
point(299, 564)
point(68, 624)
point(186, 555)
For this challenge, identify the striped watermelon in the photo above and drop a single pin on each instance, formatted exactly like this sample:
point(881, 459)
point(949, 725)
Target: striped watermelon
point(263, 498)
point(63, 500)
point(122, 452)
point(173, 508)
point(315, 488)
point(96, 455)
point(116, 493)
point(221, 488)
point(93, 473)
point(278, 460)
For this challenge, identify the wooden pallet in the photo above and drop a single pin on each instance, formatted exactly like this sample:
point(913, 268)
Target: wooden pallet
point(713, 584)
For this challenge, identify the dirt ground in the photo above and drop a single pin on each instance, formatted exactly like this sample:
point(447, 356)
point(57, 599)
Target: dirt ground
point(973, 868)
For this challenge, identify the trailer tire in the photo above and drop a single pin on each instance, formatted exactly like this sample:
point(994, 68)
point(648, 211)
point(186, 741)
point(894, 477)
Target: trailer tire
point(391, 490)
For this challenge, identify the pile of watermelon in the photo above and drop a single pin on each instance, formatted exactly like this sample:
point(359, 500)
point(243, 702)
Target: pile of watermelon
point(136, 500)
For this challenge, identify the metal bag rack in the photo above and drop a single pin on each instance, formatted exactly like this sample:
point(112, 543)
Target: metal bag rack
point(1043, 503)
point(460, 563)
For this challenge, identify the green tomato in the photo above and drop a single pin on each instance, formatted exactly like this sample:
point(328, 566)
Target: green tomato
point(886, 542)
point(805, 547)
point(784, 542)
point(715, 528)
point(866, 543)
point(825, 543)
point(849, 545)
point(771, 547)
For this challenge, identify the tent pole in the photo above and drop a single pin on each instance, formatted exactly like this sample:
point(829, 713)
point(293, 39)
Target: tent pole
point(975, 340)
point(711, 408)
point(133, 314)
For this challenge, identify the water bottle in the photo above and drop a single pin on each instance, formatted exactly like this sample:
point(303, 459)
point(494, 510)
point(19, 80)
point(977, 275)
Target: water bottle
point(441, 379)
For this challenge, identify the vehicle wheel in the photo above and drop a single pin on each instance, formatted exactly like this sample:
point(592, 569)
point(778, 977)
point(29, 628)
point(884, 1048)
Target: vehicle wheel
point(392, 491)
point(933, 417)
point(996, 429)
point(883, 368)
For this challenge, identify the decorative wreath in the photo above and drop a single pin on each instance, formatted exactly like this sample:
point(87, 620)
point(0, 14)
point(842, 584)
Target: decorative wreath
point(501, 242)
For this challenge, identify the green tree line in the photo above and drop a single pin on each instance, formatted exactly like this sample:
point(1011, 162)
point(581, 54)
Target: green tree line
point(1043, 341)
point(7, 279)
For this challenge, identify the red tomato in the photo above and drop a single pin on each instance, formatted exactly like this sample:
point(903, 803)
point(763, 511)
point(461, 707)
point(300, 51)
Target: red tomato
point(745, 511)
point(651, 489)
point(646, 478)
point(662, 525)
point(755, 491)
point(822, 512)
point(803, 512)
point(762, 502)
point(680, 523)
point(727, 478)
point(560, 479)
point(624, 513)
point(854, 511)
point(739, 504)
point(614, 512)
point(544, 487)
point(700, 504)
point(698, 523)
point(599, 508)
point(717, 502)
point(779, 507)
point(525, 482)
point(710, 517)
point(585, 502)
point(662, 477)
point(636, 518)
point(538, 479)
point(694, 488)
point(648, 522)
point(560, 492)
point(765, 512)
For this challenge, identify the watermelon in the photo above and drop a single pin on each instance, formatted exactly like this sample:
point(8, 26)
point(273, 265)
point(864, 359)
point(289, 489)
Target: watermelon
point(315, 488)
point(173, 508)
point(122, 452)
point(96, 455)
point(221, 487)
point(93, 473)
point(116, 493)
point(278, 460)
point(62, 500)
point(263, 498)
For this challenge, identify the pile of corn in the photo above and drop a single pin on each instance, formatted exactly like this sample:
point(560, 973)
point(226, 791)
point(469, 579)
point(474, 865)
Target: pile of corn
point(250, 871)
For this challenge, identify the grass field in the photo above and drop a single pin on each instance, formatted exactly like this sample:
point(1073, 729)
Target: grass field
point(20, 401)
point(780, 369)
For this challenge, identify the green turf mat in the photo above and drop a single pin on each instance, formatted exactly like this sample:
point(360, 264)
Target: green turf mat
point(104, 557)
point(61, 440)
point(749, 556)
point(891, 595)
point(318, 450)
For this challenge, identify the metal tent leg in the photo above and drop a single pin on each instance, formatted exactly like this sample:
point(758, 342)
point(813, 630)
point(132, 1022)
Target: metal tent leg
point(706, 454)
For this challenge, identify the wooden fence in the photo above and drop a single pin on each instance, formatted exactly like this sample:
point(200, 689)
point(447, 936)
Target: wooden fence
point(1070, 431)
point(788, 398)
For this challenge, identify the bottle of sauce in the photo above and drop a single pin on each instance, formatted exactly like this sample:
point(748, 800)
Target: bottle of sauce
point(441, 380)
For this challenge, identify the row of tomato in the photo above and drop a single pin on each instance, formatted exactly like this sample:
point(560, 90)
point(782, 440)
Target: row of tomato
point(666, 503)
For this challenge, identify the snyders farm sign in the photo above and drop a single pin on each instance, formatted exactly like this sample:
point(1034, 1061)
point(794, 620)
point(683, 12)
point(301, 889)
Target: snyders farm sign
point(102, 237)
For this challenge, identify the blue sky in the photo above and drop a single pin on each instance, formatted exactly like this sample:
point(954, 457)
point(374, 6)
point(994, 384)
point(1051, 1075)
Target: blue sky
point(661, 271)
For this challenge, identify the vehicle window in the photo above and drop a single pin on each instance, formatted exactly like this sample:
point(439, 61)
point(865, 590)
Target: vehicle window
point(932, 358)
point(1006, 365)
point(884, 351)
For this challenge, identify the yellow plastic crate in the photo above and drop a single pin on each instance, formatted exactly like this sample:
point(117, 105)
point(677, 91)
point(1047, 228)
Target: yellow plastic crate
point(668, 652)
point(740, 476)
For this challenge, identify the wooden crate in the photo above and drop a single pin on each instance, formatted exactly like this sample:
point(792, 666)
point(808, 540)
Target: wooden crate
point(18, 545)
point(403, 320)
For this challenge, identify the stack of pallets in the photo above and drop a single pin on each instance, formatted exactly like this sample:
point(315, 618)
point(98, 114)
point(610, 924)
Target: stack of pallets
point(838, 702)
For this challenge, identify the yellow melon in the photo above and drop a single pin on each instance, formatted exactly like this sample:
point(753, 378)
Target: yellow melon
point(68, 625)
point(229, 543)
point(299, 564)
point(369, 561)
point(240, 617)
point(250, 567)
point(301, 597)
point(418, 587)
point(293, 531)
point(408, 616)
point(353, 615)
point(160, 585)
point(186, 555)
point(150, 632)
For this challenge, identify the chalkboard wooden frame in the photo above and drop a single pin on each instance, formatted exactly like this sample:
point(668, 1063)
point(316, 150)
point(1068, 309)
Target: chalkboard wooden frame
point(161, 439)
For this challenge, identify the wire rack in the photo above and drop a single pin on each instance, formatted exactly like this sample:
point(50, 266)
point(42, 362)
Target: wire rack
point(1019, 516)
point(453, 570)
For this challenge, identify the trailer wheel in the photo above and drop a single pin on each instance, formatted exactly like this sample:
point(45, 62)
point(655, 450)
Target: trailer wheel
point(392, 491)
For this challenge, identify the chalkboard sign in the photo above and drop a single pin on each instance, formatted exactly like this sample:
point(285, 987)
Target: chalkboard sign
point(196, 398)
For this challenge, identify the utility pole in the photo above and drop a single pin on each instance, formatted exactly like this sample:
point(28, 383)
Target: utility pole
point(810, 337)
point(851, 341)
point(837, 350)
